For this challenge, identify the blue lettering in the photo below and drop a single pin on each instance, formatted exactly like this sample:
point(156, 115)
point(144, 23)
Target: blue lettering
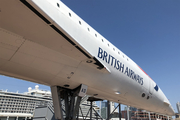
point(126, 71)
point(135, 77)
point(118, 64)
point(141, 81)
point(121, 68)
point(105, 56)
point(131, 74)
point(115, 63)
point(138, 78)
point(109, 59)
point(100, 53)
point(112, 60)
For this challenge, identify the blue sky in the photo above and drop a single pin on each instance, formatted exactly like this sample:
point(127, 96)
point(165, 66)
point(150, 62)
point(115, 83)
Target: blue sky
point(147, 31)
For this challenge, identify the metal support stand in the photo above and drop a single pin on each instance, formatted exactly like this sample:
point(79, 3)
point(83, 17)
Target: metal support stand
point(127, 112)
point(91, 109)
point(72, 99)
point(120, 112)
point(108, 110)
point(149, 115)
point(111, 114)
point(100, 107)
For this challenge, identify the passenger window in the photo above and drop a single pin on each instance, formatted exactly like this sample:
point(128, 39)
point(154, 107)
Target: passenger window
point(70, 14)
point(58, 5)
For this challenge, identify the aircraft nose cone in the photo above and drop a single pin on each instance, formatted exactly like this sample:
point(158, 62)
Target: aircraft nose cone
point(168, 108)
point(171, 111)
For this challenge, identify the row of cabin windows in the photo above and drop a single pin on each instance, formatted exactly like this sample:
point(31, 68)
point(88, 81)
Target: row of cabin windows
point(14, 99)
point(95, 34)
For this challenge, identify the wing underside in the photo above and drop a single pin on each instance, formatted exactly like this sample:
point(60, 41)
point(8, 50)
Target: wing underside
point(35, 48)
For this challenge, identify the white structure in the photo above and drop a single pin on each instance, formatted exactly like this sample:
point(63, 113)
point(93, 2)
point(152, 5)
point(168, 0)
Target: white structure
point(19, 106)
point(15, 105)
point(44, 41)
point(38, 92)
point(178, 107)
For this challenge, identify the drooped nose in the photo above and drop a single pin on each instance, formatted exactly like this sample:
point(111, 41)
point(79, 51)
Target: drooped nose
point(171, 111)
point(168, 108)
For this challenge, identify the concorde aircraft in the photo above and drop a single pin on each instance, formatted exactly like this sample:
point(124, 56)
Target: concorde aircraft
point(44, 41)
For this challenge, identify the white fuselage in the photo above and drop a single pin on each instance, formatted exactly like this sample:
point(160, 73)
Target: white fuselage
point(62, 49)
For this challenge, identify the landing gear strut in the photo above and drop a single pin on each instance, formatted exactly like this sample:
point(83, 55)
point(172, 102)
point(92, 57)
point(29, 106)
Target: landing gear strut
point(72, 99)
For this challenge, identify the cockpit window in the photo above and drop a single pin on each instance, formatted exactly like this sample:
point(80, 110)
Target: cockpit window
point(156, 88)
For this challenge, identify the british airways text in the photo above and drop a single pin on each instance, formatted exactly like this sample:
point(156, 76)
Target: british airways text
point(102, 54)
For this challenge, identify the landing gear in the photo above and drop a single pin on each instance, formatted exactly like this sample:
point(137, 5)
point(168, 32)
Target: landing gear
point(72, 99)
